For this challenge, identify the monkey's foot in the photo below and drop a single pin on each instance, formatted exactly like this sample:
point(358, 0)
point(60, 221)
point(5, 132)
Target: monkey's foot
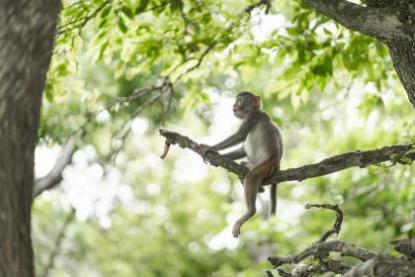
point(236, 229)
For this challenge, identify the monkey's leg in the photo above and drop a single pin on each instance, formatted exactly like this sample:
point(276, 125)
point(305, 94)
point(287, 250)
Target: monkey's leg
point(260, 188)
point(251, 183)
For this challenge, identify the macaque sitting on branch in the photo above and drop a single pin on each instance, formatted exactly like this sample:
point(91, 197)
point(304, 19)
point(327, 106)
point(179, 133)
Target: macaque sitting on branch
point(262, 145)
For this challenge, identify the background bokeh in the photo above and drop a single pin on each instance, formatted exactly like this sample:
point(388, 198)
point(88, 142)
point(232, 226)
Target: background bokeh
point(123, 69)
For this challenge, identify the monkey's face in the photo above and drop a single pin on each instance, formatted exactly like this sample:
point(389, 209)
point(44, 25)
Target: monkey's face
point(239, 107)
point(243, 105)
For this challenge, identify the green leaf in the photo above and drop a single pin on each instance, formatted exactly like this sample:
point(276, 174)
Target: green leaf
point(105, 11)
point(329, 33)
point(143, 5)
point(292, 31)
point(406, 160)
point(127, 11)
point(49, 92)
point(102, 23)
point(320, 70)
point(176, 5)
point(121, 25)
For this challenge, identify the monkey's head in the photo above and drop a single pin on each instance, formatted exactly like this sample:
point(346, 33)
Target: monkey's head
point(244, 103)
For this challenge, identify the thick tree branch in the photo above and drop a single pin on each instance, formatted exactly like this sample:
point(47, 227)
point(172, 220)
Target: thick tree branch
point(394, 154)
point(54, 177)
point(381, 23)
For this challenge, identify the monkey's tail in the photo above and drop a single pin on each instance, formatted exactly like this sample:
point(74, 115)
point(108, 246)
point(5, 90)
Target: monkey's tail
point(273, 198)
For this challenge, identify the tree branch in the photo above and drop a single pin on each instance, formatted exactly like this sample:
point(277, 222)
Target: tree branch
point(383, 265)
point(79, 23)
point(372, 264)
point(406, 247)
point(58, 243)
point(395, 153)
point(337, 224)
point(54, 177)
point(266, 3)
point(323, 248)
point(382, 23)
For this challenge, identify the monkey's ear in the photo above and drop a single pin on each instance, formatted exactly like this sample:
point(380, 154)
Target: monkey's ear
point(257, 101)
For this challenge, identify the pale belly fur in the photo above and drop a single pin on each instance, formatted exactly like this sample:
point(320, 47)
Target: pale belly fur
point(262, 142)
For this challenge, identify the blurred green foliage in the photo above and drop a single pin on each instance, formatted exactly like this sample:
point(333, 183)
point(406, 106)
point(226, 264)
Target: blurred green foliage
point(330, 91)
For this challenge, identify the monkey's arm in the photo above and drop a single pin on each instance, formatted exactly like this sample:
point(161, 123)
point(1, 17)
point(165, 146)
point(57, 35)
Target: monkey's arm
point(236, 138)
point(235, 155)
point(231, 141)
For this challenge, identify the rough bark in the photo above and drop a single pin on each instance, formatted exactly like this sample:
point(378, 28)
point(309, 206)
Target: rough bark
point(402, 51)
point(26, 37)
point(380, 22)
point(391, 22)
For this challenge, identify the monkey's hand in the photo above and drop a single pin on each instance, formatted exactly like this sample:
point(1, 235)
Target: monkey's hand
point(244, 163)
point(236, 231)
point(203, 150)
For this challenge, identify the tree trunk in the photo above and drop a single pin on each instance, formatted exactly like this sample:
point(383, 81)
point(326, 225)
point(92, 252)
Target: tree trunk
point(27, 31)
point(402, 51)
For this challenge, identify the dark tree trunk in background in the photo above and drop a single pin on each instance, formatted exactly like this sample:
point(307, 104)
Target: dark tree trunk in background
point(27, 29)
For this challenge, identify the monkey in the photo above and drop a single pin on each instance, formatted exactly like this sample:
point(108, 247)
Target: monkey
point(262, 146)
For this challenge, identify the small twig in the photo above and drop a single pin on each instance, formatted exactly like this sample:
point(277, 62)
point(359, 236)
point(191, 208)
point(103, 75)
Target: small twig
point(166, 150)
point(199, 60)
point(266, 3)
point(339, 219)
point(58, 243)
point(127, 125)
point(155, 7)
point(80, 22)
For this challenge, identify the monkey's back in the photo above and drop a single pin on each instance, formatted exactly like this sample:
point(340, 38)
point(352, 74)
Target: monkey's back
point(263, 142)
